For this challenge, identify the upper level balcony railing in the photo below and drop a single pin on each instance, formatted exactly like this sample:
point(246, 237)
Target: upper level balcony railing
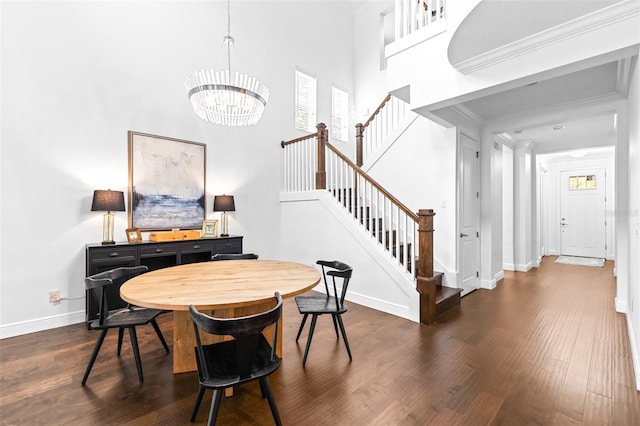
point(412, 15)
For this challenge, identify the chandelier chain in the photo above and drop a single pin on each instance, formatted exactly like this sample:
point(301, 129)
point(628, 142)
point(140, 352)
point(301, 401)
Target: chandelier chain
point(229, 35)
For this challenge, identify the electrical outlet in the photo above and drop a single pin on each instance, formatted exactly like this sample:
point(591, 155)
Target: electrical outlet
point(54, 296)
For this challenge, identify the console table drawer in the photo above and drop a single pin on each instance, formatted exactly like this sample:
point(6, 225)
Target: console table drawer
point(231, 245)
point(195, 246)
point(98, 254)
point(149, 250)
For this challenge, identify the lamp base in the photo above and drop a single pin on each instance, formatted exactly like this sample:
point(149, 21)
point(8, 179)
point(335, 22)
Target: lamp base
point(106, 243)
point(224, 235)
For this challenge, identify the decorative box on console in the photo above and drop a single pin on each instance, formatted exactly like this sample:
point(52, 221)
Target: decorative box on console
point(174, 235)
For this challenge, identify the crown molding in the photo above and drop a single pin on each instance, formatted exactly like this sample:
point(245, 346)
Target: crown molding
point(468, 113)
point(594, 21)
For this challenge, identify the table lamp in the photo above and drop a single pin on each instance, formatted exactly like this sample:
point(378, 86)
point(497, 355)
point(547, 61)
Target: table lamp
point(224, 204)
point(107, 201)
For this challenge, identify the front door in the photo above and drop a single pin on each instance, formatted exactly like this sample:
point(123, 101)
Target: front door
point(468, 218)
point(582, 207)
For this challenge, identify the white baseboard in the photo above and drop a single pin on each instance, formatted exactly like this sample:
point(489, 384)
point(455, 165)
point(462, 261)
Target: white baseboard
point(41, 324)
point(524, 268)
point(621, 306)
point(634, 350)
point(381, 305)
point(499, 276)
point(488, 284)
point(508, 266)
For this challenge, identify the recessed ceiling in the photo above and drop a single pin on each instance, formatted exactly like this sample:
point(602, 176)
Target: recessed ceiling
point(586, 131)
point(585, 84)
point(587, 87)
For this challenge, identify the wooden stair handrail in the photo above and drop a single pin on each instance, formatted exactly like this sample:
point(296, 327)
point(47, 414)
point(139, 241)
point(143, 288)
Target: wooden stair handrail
point(379, 187)
point(300, 139)
point(376, 112)
point(360, 128)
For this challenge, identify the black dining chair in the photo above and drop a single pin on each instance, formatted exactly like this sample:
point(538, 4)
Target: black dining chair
point(247, 357)
point(234, 256)
point(129, 317)
point(329, 304)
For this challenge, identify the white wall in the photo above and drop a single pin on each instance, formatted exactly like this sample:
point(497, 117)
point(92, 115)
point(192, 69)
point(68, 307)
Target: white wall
point(76, 76)
point(633, 292)
point(371, 82)
point(428, 181)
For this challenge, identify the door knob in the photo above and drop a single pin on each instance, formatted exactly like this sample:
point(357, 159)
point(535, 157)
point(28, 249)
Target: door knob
point(463, 235)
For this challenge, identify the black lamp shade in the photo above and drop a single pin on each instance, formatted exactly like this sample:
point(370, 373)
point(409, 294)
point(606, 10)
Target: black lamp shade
point(107, 201)
point(223, 203)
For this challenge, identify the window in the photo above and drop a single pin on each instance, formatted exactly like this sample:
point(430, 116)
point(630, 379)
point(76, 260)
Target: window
point(306, 95)
point(577, 183)
point(339, 114)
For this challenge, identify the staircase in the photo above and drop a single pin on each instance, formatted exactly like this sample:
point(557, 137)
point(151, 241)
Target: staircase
point(311, 163)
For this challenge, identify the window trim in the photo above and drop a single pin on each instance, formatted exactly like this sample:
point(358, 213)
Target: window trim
point(334, 134)
point(312, 112)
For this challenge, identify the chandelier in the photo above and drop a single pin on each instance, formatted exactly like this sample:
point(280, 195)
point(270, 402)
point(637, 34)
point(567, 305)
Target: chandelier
point(226, 98)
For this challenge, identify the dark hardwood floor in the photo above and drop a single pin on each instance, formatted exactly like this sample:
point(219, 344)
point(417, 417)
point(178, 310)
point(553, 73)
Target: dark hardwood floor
point(544, 347)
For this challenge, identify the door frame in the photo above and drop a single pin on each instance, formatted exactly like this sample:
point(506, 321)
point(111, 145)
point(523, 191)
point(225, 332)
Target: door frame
point(578, 170)
point(459, 197)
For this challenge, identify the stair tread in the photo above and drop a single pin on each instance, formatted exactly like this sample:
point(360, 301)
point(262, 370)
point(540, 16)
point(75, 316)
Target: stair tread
point(444, 293)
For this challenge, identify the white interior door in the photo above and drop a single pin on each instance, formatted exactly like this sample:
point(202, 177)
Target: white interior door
point(582, 207)
point(468, 218)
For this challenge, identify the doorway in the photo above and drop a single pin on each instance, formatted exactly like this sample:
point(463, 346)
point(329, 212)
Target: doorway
point(468, 247)
point(582, 208)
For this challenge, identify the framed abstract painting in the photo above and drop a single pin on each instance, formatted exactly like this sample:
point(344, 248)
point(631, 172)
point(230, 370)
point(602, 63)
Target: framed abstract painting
point(166, 182)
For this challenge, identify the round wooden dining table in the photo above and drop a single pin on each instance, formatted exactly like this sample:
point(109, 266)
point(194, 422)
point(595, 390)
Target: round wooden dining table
point(224, 289)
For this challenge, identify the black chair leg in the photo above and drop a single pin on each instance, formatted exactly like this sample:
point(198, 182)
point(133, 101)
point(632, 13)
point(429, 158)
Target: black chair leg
point(335, 326)
point(304, 320)
point(215, 406)
point(94, 354)
point(120, 334)
point(306, 350)
point(264, 384)
point(262, 391)
point(159, 333)
point(197, 405)
point(344, 335)
point(136, 351)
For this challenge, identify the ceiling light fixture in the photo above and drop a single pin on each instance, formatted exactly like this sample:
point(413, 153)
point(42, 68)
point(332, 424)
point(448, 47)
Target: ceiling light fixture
point(558, 127)
point(222, 98)
point(578, 154)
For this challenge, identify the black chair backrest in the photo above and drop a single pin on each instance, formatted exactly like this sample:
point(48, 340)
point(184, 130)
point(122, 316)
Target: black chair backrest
point(97, 284)
point(340, 270)
point(234, 256)
point(247, 332)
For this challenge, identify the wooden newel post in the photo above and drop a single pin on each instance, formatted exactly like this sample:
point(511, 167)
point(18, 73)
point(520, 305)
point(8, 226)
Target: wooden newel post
point(359, 142)
point(425, 282)
point(321, 173)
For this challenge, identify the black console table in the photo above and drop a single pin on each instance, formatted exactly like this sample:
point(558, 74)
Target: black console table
point(154, 255)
